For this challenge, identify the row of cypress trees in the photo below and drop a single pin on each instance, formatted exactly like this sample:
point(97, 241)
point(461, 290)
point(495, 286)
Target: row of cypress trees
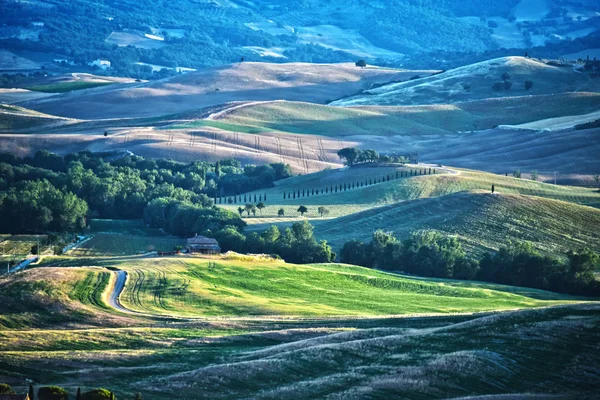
point(241, 200)
point(358, 184)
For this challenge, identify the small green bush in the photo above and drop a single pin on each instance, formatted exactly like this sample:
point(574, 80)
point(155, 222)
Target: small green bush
point(52, 393)
point(6, 389)
point(97, 394)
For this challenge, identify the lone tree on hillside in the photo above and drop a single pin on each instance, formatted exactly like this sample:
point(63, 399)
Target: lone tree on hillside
point(528, 84)
point(534, 175)
point(361, 63)
point(241, 211)
point(281, 212)
point(517, 173)
point(260, 207)
point(597, 179)
point(323, 211)
point(302, 210)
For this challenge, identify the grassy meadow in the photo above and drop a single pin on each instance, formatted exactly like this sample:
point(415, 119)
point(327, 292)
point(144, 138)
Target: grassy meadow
point(195, 319)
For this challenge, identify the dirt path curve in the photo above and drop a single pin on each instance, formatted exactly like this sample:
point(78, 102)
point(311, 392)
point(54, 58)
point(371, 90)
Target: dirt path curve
point(115, 293)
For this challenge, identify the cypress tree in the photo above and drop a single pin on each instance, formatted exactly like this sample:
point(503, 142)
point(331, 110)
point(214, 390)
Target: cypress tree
point(396, 174)
point(283, 196)
point(294, 192)
point(265, 197)
point(429, 170)
point(31, 393)
point(255, 197)
point(78, 396)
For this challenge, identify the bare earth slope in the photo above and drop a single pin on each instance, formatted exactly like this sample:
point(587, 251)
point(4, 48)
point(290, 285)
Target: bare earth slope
point(250, 81)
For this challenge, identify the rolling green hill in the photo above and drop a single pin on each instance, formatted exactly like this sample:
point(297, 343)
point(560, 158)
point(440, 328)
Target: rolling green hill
point(480, 219)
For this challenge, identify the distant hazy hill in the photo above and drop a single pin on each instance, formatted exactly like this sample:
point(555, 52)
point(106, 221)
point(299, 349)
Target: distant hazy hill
point(138, 36)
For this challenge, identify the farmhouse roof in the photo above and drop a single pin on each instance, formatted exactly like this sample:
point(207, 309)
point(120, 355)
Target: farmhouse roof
point(199, 242)
point(202, 240)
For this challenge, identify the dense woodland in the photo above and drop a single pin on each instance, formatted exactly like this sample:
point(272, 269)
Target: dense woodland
point(430, 253)
point(48, 192)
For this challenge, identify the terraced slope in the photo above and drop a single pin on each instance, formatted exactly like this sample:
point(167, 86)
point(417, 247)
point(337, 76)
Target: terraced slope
point(481, 219)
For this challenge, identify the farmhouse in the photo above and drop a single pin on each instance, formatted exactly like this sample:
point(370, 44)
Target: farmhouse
point(102, 64)
point(203, 245)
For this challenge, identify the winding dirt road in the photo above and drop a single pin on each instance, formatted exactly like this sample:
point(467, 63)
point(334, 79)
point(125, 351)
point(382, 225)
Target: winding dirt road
point(116, 290)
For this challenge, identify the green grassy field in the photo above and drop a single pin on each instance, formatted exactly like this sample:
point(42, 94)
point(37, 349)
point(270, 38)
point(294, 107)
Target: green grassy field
point(115, 244)
point(64, 87)
point(19, 245)
point(308, 118)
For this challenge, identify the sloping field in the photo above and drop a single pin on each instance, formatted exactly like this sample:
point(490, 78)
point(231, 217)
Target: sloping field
point(405, 188)
point(307, 118)
point(475, 82)
point(248, 311)
point(15, 118)
point(522, 355)
point(483, 221)
point(318, 83)
point(46, 297)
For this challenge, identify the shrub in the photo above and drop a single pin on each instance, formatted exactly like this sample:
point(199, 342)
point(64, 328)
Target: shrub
point(6, 389)
point(52, 393)
point(98, 394)
point(361, 63)
point(528, 84)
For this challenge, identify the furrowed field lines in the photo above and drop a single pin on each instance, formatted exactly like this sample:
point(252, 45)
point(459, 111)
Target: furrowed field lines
point(90, 290)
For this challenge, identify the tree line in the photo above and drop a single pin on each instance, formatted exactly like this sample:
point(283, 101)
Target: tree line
point(342, 187)
point(296, 244)
point(353, 156)
point(432, 254)
point(48, 192)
